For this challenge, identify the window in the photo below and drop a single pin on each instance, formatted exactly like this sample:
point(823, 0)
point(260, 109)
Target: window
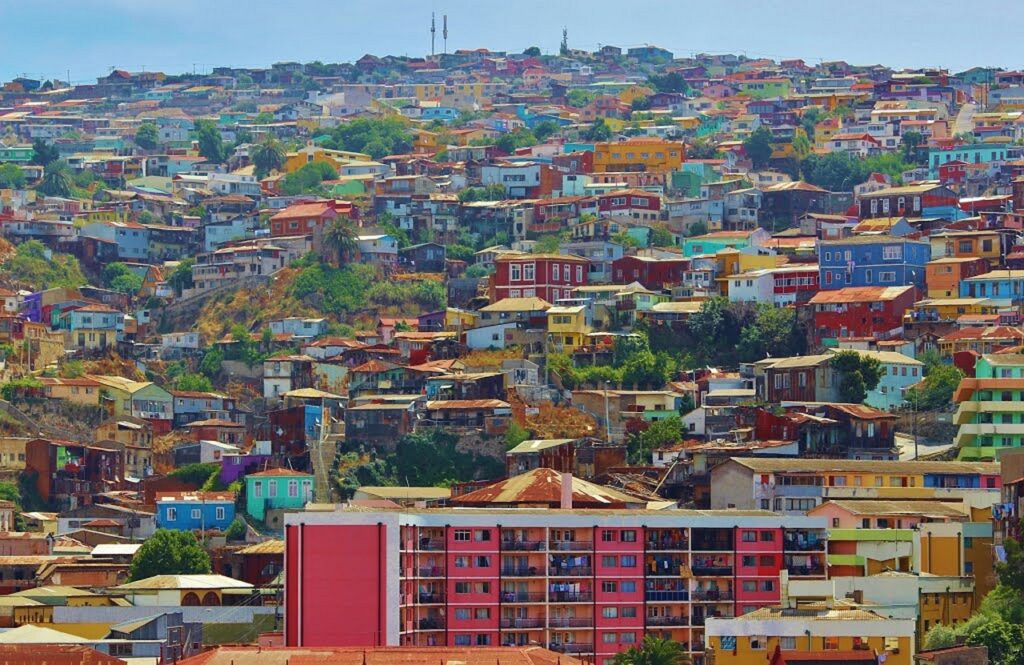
point(293, 488)
point(257, 487)
point(610, 638)
point(750, 536)
point(462, 562)
point(462, 535)
point(220, 512)
point(483, 562)
point(759, 642)
point(483, 640)
point(627, 561)
point(195, 514)
point(628, 536)
point(482, 587)
point(609, 561)
point(482, 613)
point(629, 587)
point(787, 643)
point(766, 560)
point(886, 277)
point(579, 274)
point(608, 536)
point(749, 561)
point(609, 586)
point(892, 252)
point(610, 612)
point(172, 514)
point(528, 272)
point(273, 488)
point(628, 612)
point(767, 585)
point(831, 643)
point(463, 640)
point(749, 586)
point(462, 587)
point(515, 272)
point(767, 536)
point(555, 273)
point(482, 536)
point(627, 638)
point(462, 613)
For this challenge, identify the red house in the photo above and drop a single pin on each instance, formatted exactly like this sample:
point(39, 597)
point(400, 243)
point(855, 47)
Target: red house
point(546, 276)
point(861, 311)
point(653, 273)
point(306, 218)
point(954, 172)
point(632, 203)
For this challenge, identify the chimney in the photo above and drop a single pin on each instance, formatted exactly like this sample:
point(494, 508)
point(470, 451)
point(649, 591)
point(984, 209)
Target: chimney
point(566, 503)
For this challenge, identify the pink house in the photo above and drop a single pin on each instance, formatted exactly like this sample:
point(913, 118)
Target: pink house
point(871, 514)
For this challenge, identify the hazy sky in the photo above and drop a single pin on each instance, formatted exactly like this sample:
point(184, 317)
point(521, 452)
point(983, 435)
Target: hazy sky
point(46, 38)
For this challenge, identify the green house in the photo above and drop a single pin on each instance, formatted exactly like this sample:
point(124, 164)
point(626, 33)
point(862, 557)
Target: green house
point(277, 489)
point(16, 153)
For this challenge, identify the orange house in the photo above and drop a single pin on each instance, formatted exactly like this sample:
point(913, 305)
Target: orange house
point(943, 276)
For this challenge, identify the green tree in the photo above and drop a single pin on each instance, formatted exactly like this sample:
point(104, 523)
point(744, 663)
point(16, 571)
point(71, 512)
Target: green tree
point(43, 154)
point(1002, 639)
point(374, 136)
point(913, 148)
point(515, 434)
point(11, 177)
point(937, 388)
point(857, 375)
point(578, 97)
point(268, 156)
point(169, 553)
point(211, 145)
point(657, 434)
point(598, 131)
point(653, 651)
point(801, 144)
point(773, 332)
point(758, 147)
point(56, 180)
point(236, 530)
point(340, 239)
point(940, 637)
point(702, 149)
point(36, 267)
point(532, 51)
point(119, 277)
point(512, 141)
point(194, 383)
point(147, 136)
point(181, 278)
point(212, 362)
point(671, 82)
point(698, 228)
point(197, 474)
point(544, 129)
point(308, 179)
point(640, 103)
point(661, 237)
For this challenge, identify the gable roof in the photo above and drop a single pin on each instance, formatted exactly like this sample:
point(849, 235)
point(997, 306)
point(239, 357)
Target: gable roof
point(544, 486)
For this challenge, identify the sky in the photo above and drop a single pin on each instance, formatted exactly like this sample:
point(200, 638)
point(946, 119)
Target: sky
point(49, 38)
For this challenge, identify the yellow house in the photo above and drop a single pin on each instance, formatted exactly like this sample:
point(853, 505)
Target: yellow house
point(568, 327)
point(12, 452)
point(834, 625)
point(459, 319)
point(314, 153)
point(425, 141)
point(627, 95)
point(639, 153)
point(80, 391)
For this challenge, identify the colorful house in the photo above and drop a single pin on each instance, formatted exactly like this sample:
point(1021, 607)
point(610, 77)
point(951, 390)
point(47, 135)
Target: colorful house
point(195, 511)
point(872, 261)
point(712, 243)
point(276, 490)
point(943, 276)
point(990, 407)
point(641, 153)
point(568, 327)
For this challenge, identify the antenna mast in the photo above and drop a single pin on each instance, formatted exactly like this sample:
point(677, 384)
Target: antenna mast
point(444, 32)
point(433, 32)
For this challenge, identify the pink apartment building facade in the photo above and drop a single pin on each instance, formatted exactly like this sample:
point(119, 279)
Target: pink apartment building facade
point(585, 583)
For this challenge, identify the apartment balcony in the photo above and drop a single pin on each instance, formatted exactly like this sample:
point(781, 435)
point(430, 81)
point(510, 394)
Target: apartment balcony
point(522, 545)
point(667, 621)
point(523, 597)
point(968, 410)
point(666, 596)
point(671, 570)
point(571, 546)
point(806, 571)
point(570, 571)
point(570, 622)
point(570, 597)
point(431, 598)
point(430, 544)
point(431, 624)
point(712, 571)
point(573, 647)
point(523, 623)
point(430, 571)
point(522, 571)
point(712, 595)
point(671, 545)
point(992, 429)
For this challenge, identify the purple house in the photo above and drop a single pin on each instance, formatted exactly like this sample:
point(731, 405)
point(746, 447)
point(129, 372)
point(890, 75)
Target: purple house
point(235, 467)
point(431, 322)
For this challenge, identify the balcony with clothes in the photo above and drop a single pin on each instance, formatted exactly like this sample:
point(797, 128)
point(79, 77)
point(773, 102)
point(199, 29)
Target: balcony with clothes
point(668, 540)
point(804, 540)
point(567, 565)
point(571, 541)
point(712, 540)
point(523, 592)
point(666, 565)
point(524, 565)
point(666, 591)
point(570, 592)
point(712, 592)
point(428, 594)
point(719, 565)
point(805, 565)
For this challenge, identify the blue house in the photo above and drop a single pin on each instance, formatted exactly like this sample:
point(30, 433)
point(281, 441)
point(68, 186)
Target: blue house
point(195, 511)
point(996, 284)
point(872, 261)
point(975, 153)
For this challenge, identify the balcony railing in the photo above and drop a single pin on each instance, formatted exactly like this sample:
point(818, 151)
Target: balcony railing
point(570, 597)
point(523, 571)
point(431, 544)
point(523, 597)
point(672, 570)
point(712, 595)
point(522, 623)
point(570, 622)
point(707, 571)
point(663, 596)
point(431, 571)
point(571, 545)
point(431, 598)
point(805, 570)
point(668, 545)
point(431, 624)
point(570, 571)
point(574, 647)
point(522, 545)
point(667, 621)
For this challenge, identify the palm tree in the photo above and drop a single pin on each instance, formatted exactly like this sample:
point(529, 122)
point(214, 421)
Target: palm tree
point(268, 156)
point(340, 237)
point(653, 651)
point(56, 180)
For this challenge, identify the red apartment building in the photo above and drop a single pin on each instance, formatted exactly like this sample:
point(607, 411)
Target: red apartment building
point(546, 276)
point(654, 273)
point(589, 584)
point(861, 311)
point(633, 203)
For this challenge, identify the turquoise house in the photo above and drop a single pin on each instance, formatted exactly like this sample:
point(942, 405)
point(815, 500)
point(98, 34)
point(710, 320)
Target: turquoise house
point(277, 489)
point(712, 243)
point(899, 372)
point(16, 153)
point(975, 153)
